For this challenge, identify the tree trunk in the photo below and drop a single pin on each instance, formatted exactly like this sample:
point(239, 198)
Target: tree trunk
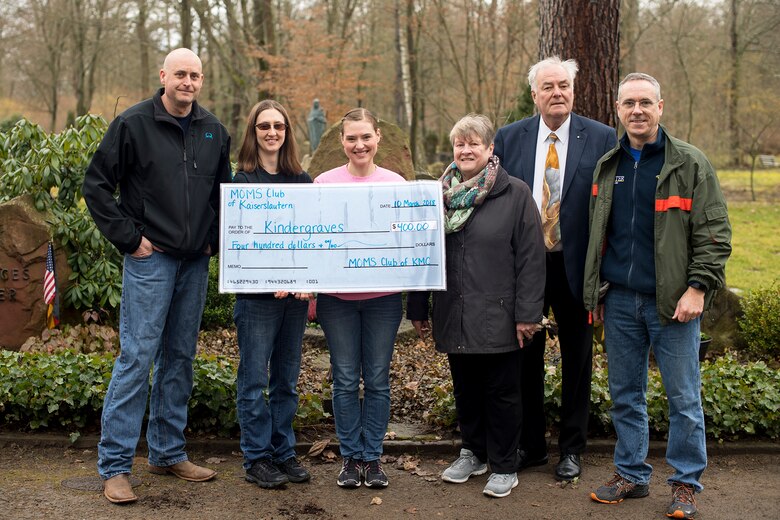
point(400, 94)
point(141, 32)
point(88, 20)
point(588, 32)
point(263, 21)
point(185, 14)
point(734, 55)
point(629, 28)
point(54, 105)
point(50, 21)
point(414, 96)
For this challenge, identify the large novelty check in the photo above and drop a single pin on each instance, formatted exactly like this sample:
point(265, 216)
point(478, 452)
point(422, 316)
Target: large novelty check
point(331, 237)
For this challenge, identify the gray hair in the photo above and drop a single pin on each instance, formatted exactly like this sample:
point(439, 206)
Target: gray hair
point(570, 66)
point(474, 125)
point(641, 76)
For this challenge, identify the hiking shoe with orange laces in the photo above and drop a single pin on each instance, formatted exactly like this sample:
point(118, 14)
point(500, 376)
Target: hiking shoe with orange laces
point(683, 501)
point(618, 489)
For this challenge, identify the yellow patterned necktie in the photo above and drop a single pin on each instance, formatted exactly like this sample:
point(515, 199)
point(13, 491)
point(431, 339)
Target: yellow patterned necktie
point(551, 197)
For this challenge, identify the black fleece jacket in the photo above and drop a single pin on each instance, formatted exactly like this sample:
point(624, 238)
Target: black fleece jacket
point(168, 180)
point(629, 259)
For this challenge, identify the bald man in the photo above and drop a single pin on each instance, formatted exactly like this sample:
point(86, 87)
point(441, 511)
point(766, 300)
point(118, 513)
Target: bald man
point(167, 156)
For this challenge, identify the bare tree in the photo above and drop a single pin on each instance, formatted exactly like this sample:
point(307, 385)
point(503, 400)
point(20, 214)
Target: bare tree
point(185, 17)
point(142, 33)
point(588, 32)
point(46, 34)
point(5, 35)
point(749, 21)
point(233, 29)
point(89, 21)
point(754, 139)
point(635, 20)
point(413, 26)
point(630, 34)
point(403, 108)
point(263, 21)
point(686, 32)
point(452, 56)
point(481, 54)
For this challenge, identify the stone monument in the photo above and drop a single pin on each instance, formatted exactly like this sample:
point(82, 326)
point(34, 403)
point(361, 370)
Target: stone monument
point(24, 238)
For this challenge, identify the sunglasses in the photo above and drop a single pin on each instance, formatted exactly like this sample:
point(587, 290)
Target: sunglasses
point(279, 127)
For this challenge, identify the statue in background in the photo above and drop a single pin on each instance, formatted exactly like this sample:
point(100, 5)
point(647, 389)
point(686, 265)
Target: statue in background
point(317, 124)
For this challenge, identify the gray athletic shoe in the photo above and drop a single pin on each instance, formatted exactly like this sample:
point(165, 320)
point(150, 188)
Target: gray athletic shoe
point(500, 484)
point(465, 466)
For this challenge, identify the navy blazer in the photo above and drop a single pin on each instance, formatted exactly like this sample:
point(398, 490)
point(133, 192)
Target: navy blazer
point(515, 145)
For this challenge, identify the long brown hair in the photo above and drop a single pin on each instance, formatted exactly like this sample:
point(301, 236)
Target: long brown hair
point(249, 155)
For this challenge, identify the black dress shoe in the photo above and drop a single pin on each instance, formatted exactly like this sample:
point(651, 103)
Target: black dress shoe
point(526, 460)
point(568, 467)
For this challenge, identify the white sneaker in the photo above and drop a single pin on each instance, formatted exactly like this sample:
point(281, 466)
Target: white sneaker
point(464, 466)
point(500, 484)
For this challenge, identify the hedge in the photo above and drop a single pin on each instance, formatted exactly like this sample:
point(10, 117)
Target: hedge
point(64, 391)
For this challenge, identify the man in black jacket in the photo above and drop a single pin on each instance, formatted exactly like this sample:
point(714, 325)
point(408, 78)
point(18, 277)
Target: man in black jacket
point(555, 153)
point(168, 156)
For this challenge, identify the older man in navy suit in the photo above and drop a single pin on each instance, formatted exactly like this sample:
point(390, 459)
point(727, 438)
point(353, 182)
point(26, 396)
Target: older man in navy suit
point(555, 153)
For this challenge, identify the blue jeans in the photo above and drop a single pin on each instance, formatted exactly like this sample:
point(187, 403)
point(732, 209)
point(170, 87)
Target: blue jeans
point(631, 328)
point(270, 332)
point(162, 304)
point(361, 337)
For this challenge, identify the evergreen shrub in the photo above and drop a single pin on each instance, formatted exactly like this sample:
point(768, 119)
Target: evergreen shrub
point(218, 312)
point(65, 391)
point(759, 325)
point(740, 400)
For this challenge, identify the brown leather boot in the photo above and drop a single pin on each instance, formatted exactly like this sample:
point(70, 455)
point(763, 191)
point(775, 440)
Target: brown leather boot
point(118, 490)
point(185, 470)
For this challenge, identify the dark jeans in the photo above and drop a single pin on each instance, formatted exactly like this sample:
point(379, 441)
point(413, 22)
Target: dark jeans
point(270, 332)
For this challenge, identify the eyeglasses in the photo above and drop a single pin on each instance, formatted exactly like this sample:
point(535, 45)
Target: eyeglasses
point(279, 127)
point(629, 104)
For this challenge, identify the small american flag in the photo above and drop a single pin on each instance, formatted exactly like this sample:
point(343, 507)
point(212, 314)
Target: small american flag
point(50, 290)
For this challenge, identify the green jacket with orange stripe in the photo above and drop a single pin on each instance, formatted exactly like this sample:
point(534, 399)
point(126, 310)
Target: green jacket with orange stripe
point(692, 235)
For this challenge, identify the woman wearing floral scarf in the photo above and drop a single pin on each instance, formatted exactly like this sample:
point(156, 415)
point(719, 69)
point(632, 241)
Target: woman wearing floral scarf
point(493, 302)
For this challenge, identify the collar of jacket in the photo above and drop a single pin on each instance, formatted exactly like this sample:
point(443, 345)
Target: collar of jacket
point(673, 158)
point(653, 148)
point(160, 114)
point(501, 184)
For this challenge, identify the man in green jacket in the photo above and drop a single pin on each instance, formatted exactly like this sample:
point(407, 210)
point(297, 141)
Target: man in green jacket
point(659, 241)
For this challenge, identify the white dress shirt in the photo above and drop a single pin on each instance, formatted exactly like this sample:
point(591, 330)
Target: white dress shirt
point(542, 145)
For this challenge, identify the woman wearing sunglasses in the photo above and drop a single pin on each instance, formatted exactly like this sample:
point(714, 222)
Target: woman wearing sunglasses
point(270, 326)
point(360, 329)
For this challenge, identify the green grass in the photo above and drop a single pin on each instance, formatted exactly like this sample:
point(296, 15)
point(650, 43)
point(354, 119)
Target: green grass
point(755, 257)
point(736, 184)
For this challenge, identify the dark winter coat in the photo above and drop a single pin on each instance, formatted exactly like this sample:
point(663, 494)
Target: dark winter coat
point(495, 275)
